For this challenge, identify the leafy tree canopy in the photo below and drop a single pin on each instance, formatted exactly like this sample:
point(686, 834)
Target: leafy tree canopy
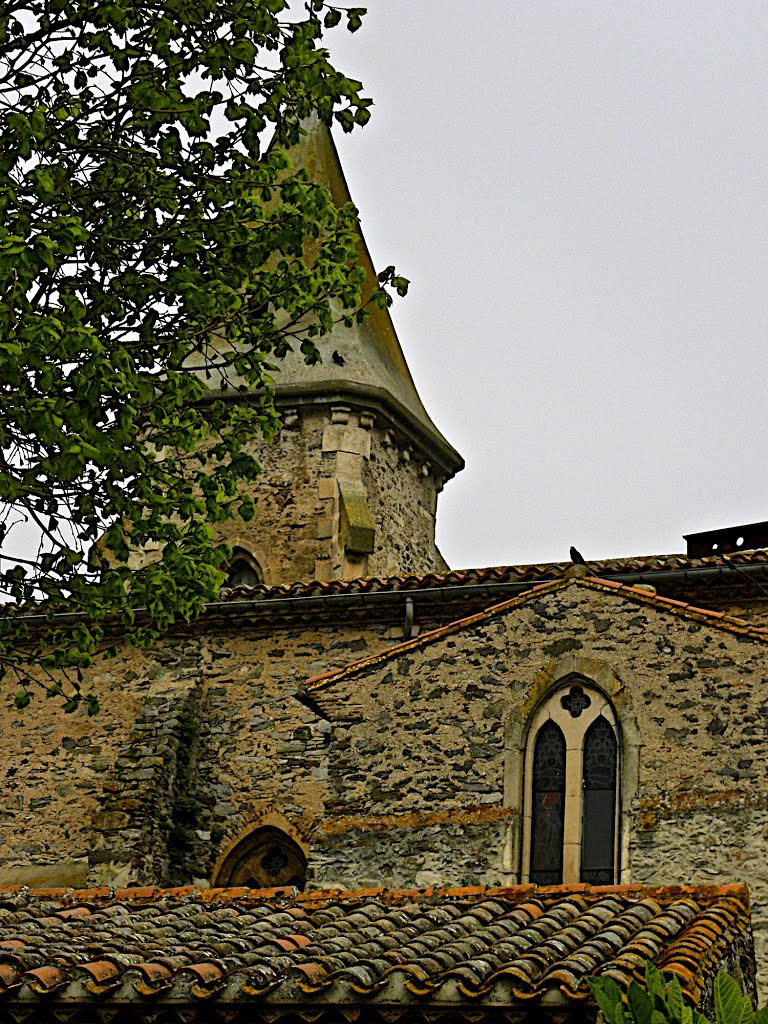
point(151, 222)
point(661, 1001)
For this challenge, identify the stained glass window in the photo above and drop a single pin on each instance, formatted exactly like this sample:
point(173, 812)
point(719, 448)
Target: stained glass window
point(548, 809)
point(265, 858)
point(599, 807)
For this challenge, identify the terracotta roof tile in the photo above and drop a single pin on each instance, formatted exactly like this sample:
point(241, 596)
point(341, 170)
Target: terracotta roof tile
point(512, 574)
point(443, 945)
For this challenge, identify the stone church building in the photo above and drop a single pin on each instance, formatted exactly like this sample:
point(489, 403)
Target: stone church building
point(586, 745)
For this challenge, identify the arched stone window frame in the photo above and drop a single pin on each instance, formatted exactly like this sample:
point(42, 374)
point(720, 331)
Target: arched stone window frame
point(232, 866)
point(559, 675)
point(574, 729)
point(241, 553)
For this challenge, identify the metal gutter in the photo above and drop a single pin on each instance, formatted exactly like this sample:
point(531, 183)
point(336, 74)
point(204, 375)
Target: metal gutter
point(497, 590)
point(482, 589)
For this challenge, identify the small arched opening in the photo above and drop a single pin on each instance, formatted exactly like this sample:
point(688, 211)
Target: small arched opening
point(243, 570)
point(265, 859)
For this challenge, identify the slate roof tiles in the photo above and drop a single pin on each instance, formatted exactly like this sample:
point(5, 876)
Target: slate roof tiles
point(474, 945)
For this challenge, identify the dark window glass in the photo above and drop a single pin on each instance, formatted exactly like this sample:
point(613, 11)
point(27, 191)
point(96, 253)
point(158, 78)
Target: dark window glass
point(576, 701)
point(264, 859)
point(599, 821)
point(548, 806)
point(242, 573)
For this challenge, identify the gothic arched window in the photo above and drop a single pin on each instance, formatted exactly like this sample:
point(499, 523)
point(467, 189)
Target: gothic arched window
point(571, 786)
point(243, 570)
point(265, 859)
point(548, 806)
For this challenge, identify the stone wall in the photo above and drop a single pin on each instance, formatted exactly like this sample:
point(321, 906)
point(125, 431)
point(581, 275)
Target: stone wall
point(54, 768)
point(441, 726)
point(283, 536)
point(712, 846)
point(196, 740)
point(341, 495)
point(145, 807)
point(402, 488)
point(402, 772)
point(469, 847)
point(696, 694)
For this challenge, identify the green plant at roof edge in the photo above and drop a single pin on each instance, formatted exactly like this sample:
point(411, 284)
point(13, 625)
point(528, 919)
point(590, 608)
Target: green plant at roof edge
point(151, 220)
point(662, 1001)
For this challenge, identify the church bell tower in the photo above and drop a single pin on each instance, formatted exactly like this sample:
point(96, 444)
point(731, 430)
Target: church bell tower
point(350, 487)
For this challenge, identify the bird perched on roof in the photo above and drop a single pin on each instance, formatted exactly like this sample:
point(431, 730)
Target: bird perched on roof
point(576, 557)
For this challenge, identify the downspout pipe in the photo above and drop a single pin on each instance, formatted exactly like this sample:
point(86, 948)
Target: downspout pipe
point(408, 624)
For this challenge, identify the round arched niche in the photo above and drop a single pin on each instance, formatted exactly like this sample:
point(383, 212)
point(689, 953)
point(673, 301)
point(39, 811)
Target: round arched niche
point(264, 859)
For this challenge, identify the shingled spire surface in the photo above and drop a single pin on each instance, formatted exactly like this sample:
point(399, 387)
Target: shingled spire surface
point(366, 360)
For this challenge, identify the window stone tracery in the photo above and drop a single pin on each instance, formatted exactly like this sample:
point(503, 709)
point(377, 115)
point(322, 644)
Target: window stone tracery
point(571, 786)
point(264, 859)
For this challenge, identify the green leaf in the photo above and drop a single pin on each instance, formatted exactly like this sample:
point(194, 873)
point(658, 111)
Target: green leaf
point(355, 18)
point(654, 982)
point(608, 997)
point(21, 700)
point(728, 1000)
point(640, 1003)
point(247, 508)
point(675, 999)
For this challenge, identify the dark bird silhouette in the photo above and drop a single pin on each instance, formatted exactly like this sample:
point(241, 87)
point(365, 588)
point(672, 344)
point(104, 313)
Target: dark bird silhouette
point(576, 557)
point(338, 358)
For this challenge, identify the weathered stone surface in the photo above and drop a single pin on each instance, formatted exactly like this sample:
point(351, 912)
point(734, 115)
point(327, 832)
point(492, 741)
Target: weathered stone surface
point(404, 850)
point(412, 733)
point(406, 772)
point(718, 845)
point(303, 529)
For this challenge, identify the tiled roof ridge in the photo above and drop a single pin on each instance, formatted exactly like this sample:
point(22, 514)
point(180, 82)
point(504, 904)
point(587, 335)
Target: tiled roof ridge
point(694, 946)
point(720, 619)
point(668, 604)
point(526, 572)
point(142, 895)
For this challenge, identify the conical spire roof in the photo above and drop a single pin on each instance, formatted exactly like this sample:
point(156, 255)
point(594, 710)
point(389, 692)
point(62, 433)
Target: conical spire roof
point(371, 364)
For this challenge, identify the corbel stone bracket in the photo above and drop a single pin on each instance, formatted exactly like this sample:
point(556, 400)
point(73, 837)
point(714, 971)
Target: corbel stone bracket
point(358, 532)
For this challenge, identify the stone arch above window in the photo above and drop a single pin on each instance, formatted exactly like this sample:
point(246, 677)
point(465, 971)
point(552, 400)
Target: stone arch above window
point(243, 570)
point(264, 859)
point(571, 788)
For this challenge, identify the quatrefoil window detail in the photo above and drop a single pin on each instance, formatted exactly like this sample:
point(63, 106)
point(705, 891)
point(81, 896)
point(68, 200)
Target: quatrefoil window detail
point(575, 701)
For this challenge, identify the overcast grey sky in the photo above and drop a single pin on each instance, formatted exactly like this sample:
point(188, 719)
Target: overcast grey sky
point(579, 194)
